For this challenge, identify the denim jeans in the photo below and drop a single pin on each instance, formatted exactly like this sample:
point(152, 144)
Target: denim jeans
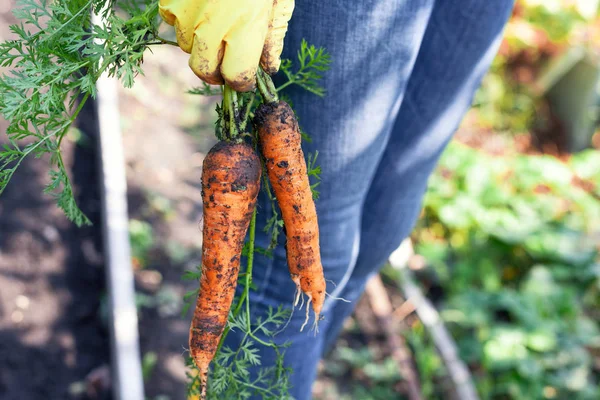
point(403, 74)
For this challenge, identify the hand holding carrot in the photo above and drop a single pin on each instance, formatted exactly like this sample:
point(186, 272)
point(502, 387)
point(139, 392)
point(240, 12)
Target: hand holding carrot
point(227, 39)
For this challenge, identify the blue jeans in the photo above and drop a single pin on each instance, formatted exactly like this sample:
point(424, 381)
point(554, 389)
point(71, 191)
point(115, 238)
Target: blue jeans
point(403, 74)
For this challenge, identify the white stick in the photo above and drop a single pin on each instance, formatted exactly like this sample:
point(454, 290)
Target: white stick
point(127, 369)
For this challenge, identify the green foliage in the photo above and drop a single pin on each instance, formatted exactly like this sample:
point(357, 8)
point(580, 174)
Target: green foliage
point(345, 358)
point(507, 99)
point(141, 238)
point(58, 55)
point(429, 364)
point(149, 362)
point(205, 90)
point(557, 22)
point(373, 377)
point(312, 63)
point(314, 171)
point(503, 104)
point(511, 240)
point(231, 378)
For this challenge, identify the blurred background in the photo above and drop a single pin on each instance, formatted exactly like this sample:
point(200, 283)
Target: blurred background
point(505, 252)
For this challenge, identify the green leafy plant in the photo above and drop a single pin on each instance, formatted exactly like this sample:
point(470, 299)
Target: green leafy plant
point(149, 362)
point(510, 241)
point(141, 239)
point(55, 60)
point(312, 63)
point(508, 99)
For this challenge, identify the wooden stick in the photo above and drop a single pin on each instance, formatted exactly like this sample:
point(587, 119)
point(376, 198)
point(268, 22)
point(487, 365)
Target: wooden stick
point(382, 308)
point(459, 373)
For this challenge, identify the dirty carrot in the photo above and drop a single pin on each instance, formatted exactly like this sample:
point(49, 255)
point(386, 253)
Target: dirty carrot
point(280, 144)
point(230, 184)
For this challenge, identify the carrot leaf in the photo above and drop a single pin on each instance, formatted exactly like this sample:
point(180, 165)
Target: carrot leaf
point(312, 63)
point(314, 172)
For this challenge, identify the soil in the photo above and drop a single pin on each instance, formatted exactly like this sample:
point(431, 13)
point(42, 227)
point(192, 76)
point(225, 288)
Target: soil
point(51, 286)
point(53, 339)
point(51, 280)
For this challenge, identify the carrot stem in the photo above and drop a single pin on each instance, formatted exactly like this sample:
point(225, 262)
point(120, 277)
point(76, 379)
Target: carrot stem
point(247, 112)
point(230, 112)
point(266, 87)
point(280, 88)
point(234, 105)
point(250, 264)
point(226, 112)
point(165, 41)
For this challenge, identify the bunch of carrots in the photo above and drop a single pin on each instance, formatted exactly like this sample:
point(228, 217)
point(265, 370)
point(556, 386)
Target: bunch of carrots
point(231, 176)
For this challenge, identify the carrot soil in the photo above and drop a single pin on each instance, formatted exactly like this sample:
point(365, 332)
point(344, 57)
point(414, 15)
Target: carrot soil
point(230, 185)
point(280, 144)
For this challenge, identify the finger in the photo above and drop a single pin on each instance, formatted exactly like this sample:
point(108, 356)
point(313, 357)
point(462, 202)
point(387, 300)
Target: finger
point(282, 13)
point(185, 16)
point(207, 53)
point(243, 48)
point(164, 9)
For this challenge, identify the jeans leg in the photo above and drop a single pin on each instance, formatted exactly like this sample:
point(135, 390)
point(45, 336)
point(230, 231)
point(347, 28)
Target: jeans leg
point(373, 45)
point(458, 47)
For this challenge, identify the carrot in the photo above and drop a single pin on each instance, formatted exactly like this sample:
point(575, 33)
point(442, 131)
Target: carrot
point(280, 144)
point(230, 184)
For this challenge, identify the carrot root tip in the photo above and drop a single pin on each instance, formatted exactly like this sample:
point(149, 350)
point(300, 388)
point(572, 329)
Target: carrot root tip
point(203, 373)
point(332, 282)
point(307, 314)
point(297, 295)
point(337, 298)
point(302, 304)
point(315, 327)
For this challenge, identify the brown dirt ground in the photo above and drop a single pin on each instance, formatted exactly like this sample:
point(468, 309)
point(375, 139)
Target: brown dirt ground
point(51, 280)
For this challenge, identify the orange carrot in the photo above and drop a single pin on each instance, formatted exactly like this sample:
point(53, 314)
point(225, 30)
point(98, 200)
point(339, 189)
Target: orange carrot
point(230, 185)
point(280, 143)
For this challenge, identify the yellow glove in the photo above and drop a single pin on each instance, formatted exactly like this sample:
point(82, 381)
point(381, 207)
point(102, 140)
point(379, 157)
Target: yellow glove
point(227, 39)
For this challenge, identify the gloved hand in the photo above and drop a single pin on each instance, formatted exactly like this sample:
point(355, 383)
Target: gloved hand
point(227, 39)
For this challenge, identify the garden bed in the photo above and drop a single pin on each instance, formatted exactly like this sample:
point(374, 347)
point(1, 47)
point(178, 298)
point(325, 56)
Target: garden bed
point(54, 343)
point(54, 339)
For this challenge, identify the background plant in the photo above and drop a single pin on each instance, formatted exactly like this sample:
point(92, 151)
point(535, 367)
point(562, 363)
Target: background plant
point(509, 99)
point(512, 246)
point(58, 55)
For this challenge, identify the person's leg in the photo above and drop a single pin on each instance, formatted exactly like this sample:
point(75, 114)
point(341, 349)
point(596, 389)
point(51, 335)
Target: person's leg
point(373, 45)
point(458, 47)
